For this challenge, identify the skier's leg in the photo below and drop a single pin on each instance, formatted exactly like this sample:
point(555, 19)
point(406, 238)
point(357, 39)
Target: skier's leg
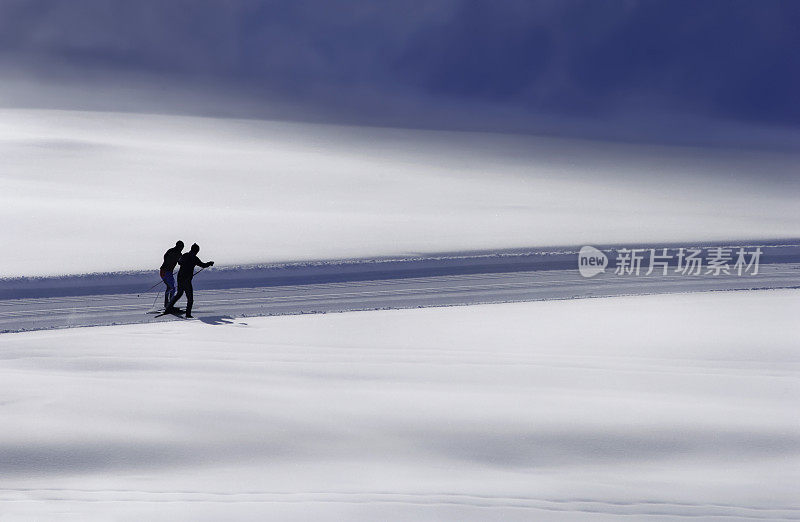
point(177, 296)
point(189, 298)
point(169, 293)
point(172, 286)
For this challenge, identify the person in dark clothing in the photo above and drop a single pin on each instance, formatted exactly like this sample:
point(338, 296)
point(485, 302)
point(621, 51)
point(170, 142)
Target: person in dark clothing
point(188, 261)
point(171, 257)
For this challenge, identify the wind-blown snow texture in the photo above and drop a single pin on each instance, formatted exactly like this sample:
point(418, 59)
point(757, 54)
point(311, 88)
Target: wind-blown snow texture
point(102, 192)
point(662, 406)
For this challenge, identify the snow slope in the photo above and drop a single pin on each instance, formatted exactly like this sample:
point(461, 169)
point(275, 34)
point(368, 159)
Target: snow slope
point(664, 406)
point(99, 192)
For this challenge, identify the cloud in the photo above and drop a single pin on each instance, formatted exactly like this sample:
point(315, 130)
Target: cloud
point(434, 63)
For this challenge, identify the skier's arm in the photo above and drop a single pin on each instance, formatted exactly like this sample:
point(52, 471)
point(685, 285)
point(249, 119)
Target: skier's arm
point(204, 265)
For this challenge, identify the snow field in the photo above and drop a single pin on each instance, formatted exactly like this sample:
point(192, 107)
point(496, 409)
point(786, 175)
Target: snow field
point(663, 406)
point(101, 192)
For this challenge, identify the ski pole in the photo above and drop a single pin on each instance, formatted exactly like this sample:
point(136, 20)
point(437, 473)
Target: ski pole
point(156, 299)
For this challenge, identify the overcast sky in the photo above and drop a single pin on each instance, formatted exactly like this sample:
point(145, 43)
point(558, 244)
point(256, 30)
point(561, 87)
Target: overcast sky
point(510, 65)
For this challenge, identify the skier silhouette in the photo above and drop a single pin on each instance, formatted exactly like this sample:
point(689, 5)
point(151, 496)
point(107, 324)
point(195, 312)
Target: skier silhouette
point(188, 261)
point(171, 257)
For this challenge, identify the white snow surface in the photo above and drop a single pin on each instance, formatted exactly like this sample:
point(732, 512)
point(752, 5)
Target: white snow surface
point(650, 407)
point(99, 192)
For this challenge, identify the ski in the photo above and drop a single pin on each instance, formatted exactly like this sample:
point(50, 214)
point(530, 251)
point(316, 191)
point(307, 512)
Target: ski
point(172, 311)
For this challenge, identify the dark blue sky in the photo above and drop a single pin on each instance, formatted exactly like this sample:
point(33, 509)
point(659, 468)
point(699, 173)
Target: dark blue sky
point(438, 63)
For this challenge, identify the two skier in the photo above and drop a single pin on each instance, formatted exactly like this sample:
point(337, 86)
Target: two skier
point(187, 262)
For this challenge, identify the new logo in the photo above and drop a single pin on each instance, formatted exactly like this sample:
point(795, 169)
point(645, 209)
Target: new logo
point(591, 261)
